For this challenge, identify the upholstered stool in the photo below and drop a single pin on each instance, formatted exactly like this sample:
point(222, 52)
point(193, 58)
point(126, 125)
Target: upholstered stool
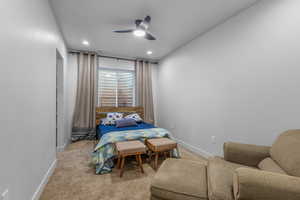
point(159, 145)
point(180, 179)
point(129, 148)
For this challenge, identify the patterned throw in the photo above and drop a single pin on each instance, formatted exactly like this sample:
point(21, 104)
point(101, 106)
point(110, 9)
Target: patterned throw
point(104, 152)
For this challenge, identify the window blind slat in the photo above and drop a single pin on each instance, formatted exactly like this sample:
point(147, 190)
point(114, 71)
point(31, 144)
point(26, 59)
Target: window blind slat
point(116, 87)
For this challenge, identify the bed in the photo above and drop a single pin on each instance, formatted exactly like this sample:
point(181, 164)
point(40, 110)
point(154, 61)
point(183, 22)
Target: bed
point(104, 152)
point(104, 129)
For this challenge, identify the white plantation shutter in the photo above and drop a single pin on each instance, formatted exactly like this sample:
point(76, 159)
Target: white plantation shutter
point(125, 85)
point(107, 88)
point(116, 87)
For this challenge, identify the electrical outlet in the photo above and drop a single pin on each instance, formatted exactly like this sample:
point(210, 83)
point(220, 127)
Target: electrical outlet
point(213, 139)
point(4, 195)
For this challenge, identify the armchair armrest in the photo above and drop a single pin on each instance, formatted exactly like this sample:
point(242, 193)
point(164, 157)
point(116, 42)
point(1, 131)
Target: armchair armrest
point(245, 154)
point(253, 184)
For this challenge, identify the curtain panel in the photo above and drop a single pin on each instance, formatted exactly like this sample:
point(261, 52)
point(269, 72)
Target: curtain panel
point(144, 95)
point(84, 120)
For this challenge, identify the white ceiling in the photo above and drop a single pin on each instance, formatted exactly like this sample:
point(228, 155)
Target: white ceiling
point(174, 23)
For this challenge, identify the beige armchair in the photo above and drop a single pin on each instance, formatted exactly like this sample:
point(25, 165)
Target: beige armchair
point(247, 172)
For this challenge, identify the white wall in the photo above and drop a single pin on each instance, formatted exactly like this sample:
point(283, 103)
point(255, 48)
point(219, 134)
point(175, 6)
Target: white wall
point(238, 82)
point(29, 38)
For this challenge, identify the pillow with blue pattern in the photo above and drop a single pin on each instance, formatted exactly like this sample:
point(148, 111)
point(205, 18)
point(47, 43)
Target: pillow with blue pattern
point(107, 122)
point(134, 116)
point(111, 118)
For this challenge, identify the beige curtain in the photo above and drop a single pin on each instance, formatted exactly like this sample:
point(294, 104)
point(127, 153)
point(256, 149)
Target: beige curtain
point(85, 106)
point(144, 89)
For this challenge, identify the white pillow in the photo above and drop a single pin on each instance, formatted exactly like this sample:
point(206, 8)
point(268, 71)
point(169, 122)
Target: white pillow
point(106, 121)
point(111, 118)
point(134, 116)
point(118, 116)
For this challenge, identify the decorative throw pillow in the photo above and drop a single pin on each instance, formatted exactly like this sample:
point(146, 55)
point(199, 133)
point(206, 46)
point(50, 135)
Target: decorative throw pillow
point(112, 117)
point(118, 116)
point(125, 123)
point(108, 122)
point(134, 116)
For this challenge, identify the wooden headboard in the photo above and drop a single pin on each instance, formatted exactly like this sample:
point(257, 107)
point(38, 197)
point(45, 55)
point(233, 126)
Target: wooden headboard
point(102, 111)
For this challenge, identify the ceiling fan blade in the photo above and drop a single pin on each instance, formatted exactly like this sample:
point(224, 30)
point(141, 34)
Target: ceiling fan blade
point(149, 36)
point(147, 19)
point(138, 22)
point(124, 31)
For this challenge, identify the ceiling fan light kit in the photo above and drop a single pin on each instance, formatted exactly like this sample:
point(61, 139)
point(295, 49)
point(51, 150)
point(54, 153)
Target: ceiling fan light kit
point(139, 33)
point(141, 29)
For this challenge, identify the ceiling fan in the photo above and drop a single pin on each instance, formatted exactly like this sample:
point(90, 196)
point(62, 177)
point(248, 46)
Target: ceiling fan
point(141, 29)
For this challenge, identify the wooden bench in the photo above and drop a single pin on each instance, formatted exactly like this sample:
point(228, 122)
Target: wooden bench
point(160, 145)
point(129, 148)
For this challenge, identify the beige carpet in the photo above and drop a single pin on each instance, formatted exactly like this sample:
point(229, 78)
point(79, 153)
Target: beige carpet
point(75, 179)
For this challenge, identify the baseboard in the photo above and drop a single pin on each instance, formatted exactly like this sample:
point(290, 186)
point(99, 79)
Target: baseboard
point(194, 149)
point(45, 180)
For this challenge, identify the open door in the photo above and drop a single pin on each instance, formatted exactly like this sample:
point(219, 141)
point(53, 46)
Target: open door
point(59, 102)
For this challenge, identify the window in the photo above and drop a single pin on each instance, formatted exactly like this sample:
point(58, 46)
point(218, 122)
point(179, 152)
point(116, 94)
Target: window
point(116, 84)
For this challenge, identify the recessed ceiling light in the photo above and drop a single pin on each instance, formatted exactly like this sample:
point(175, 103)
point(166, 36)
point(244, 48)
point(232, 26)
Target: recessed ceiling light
point(149, 52)
point(85, 42)
point(139, 33)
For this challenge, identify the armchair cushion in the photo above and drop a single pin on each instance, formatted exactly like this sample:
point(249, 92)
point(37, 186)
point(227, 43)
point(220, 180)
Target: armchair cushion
point(245, 154)
point(286, 152)
point(270, 165)
point(220, 178)
point(252, 184)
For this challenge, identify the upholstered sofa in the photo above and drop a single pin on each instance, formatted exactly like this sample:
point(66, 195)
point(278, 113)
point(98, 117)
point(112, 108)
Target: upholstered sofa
point(247, 172)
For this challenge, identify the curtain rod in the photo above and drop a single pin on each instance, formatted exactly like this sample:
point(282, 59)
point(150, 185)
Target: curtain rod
point(113, 57)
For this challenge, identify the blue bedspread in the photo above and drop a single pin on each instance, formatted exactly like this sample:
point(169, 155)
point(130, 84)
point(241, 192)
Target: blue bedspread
point(103, 129)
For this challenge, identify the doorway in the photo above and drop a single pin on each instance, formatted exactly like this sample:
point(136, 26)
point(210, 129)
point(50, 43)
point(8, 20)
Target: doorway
point(59, 140)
